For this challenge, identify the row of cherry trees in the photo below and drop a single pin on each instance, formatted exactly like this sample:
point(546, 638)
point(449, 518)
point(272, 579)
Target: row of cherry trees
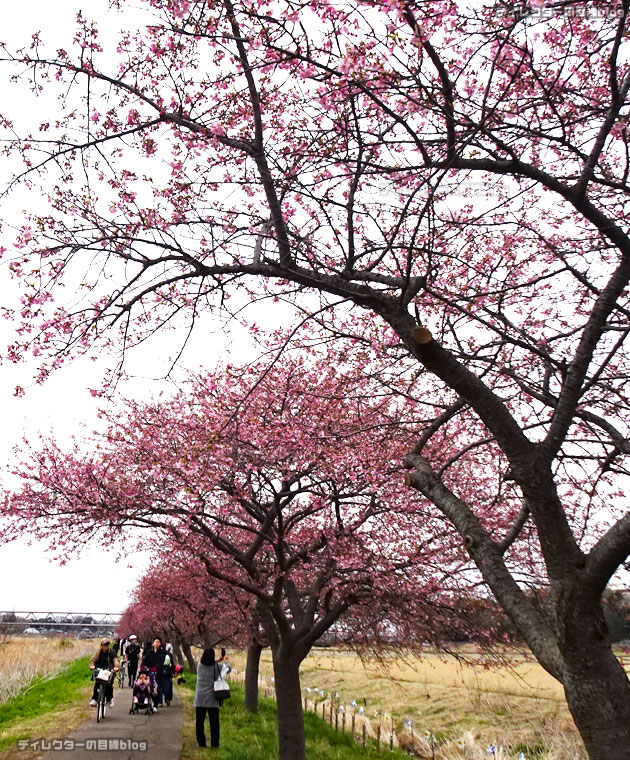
point(440, 185)
point(277, 499)
point(175, 601)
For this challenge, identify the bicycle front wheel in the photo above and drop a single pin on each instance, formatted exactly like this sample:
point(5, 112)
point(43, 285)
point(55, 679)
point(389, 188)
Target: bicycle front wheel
point(101, 705)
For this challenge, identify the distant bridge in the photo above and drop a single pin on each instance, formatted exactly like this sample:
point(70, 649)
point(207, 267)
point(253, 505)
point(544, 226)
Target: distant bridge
point(72, 622)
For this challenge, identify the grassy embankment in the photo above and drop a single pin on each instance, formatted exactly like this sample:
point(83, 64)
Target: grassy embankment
point(50, 707)
point(24, 658)
point(254, 737)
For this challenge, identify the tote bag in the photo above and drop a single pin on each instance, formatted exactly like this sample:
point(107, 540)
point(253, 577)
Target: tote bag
point(221, 687)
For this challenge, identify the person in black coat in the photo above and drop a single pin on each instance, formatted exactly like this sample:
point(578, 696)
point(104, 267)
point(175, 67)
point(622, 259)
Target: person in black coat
point(132, 657)
point(167, 674)
point(153, 661)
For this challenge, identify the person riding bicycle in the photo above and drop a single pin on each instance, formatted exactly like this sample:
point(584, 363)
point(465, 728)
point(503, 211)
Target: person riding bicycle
point(105, 658)
point(132, 656)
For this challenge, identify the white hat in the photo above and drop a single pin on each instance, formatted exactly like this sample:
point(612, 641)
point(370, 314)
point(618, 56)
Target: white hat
point(133, 636)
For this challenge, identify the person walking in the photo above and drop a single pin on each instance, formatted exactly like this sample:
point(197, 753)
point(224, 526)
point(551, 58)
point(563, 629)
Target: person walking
point(167, 675)
point(132, 656)
point(153, 661)
point(205, 701)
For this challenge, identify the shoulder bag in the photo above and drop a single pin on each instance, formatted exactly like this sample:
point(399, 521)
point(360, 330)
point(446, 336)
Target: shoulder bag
point(221, 687)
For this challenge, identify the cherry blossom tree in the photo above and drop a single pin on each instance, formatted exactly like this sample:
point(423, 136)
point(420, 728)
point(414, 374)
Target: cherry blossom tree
point(284, 482)
point(178, 599)
point(456, 175)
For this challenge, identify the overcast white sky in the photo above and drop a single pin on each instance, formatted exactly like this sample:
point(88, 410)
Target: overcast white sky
point(63, 405)
point(95, 582)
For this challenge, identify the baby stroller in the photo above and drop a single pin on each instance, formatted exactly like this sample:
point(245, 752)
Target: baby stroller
point(142, 699)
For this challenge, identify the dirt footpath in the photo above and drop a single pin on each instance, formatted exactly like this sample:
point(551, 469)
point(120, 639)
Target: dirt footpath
point(121, 736)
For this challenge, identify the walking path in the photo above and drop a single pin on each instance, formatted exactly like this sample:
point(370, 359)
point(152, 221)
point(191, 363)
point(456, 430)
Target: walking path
point(121, 736)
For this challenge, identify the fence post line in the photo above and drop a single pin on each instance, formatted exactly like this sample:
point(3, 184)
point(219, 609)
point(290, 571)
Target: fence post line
point(363, 732)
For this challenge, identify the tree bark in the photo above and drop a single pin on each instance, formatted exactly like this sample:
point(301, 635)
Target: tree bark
point(192, 665)
point(177, 651)
point(291, 738)
point(252, 669)
point(597, 689)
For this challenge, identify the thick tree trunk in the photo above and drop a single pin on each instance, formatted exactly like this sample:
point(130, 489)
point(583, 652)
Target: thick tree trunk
point(177, 651)
point(252, 669)
point(192, 665)
point(598, 694)
point(291, 740)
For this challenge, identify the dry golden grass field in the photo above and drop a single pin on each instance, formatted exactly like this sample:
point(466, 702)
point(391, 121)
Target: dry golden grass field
point(467, 707)
point(23, 658)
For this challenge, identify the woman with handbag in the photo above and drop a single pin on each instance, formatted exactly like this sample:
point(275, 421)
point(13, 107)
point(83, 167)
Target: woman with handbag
point(207, 698)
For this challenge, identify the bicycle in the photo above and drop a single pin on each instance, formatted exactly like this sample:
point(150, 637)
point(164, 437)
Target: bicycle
point(121, 675)
point(102, 677)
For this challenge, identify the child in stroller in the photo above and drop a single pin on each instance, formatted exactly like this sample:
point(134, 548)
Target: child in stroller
point(143, 693)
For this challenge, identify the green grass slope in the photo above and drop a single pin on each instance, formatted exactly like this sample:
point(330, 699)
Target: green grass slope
point(255, 737)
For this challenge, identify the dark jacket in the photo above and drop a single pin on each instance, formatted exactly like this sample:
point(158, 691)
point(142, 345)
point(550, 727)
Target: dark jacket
point(132, 652)
point(103, 659)
point(168, 666)
point(154, 659)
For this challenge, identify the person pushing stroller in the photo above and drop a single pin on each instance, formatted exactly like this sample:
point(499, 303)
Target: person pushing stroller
point(153, 662)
